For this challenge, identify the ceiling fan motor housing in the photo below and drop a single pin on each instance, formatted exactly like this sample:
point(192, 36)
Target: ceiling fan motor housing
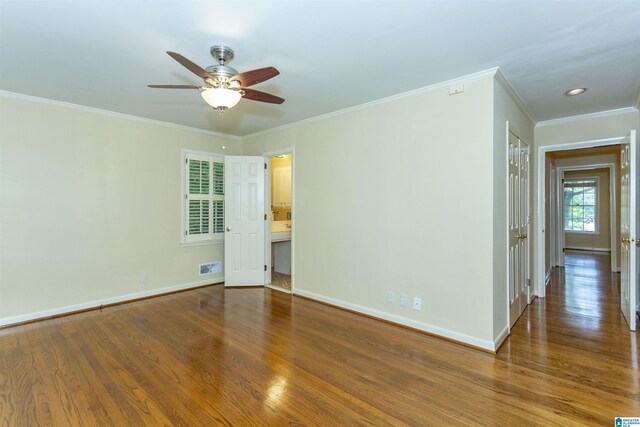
point(222, 54)
point(221, 71)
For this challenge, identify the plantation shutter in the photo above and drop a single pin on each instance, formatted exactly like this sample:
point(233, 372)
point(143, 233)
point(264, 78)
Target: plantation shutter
point(204, 198)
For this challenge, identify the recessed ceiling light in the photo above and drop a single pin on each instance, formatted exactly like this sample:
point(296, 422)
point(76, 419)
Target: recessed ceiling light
point(574, 92)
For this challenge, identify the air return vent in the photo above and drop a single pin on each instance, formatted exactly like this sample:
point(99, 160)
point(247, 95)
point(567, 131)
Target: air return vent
point(208, 268)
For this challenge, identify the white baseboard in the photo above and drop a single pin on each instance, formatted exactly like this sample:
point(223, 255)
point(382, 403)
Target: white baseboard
point(500, 338)
point(589, 249)
point(435, 330)
point(4, 321)
point(547, 277)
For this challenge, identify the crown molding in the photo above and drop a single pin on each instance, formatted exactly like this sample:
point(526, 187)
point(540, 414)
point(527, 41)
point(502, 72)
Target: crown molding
point(491, 72)
point(47, 101)
point(588, 116)
point(514, 95)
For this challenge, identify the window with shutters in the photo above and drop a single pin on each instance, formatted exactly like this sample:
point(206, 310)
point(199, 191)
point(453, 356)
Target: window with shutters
point(581, 205)
point(203, 198)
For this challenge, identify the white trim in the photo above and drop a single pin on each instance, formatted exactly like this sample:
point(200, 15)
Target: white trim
point(541, 204)
point(500, 78)
point(500, 338)
point(415, 92)
point(587, 116)
point(507, 272)
point(638, 100)
point(547, 277)
point(46, 101)
point(553, 219)
point(457, 336)
point(201, 242)
point(105, 301)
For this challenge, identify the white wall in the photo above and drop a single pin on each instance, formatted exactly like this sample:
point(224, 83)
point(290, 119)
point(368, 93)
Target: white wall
point(394, 197)
point(506, 108)
point(89, 202)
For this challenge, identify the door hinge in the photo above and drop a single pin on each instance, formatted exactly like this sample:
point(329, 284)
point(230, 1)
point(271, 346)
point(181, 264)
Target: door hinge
point(265, 166)
point(186, 232)
point(265, 217)
point(186, 161)
point(265, 267)
point(563, 180)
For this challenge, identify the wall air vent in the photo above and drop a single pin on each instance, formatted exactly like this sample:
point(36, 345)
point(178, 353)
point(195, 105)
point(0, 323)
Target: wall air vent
point(208, 268)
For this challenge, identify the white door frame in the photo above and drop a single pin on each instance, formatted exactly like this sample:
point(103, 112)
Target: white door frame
point(510, 129)
point(553, 217)
point(267, 224)
point(613, 224)
point(539, 260)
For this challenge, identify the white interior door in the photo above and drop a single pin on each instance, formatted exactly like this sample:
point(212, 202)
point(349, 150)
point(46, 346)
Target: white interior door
point(628, 234)
point(244, 219)
point(518, 222)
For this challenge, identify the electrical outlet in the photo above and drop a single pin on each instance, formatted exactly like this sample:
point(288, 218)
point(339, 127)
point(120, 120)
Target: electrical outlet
point(403, 300)
point(390, 297)
point(417, 303)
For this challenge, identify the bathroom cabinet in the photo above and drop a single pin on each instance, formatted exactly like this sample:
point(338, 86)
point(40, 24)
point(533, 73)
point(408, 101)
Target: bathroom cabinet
point(281, 188)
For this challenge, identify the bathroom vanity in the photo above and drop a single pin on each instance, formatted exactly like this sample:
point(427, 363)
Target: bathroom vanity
point(281, 246)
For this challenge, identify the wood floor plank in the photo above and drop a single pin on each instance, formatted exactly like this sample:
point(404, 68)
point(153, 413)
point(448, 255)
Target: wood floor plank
point(253, 357)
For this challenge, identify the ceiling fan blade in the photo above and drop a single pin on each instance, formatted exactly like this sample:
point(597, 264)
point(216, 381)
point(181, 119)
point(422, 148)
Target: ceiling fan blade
point(254, 77)
point(173, 86)
point(256, 95)
point(191, 66)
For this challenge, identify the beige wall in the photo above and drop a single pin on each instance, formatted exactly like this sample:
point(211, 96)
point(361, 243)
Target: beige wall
point(601, 240)
point(393, 197)
point(505, 110)
point(89, 202)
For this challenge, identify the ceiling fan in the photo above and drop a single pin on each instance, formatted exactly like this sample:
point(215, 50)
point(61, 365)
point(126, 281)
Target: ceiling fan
point(223, 86)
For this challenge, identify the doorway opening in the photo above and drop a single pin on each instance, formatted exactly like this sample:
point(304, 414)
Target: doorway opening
point(557, 218)
point(279, 224)
point(583, 209)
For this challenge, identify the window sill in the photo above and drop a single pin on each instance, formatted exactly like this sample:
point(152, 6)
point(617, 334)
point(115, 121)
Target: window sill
point(201, 243)
point(591, 233)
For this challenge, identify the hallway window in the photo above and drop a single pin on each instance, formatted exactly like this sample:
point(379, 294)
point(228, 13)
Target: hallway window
point(580, 205)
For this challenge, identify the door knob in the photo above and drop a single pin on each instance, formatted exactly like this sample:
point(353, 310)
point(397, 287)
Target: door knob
point(228, 228)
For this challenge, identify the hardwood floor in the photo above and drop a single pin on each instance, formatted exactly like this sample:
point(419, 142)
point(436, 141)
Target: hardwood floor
point(257, 357)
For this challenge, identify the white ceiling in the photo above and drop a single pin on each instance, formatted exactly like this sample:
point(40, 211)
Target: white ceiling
point(331, 54)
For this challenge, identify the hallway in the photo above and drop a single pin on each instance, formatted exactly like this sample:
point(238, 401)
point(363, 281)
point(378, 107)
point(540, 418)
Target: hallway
point(578, 335)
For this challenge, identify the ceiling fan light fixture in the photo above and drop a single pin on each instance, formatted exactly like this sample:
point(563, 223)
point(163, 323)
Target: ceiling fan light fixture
point(576, 91)
point(221, 98)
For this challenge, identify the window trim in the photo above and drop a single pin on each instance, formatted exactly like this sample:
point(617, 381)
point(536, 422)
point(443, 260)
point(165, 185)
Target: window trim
point(596, 211)
point(184, 155)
